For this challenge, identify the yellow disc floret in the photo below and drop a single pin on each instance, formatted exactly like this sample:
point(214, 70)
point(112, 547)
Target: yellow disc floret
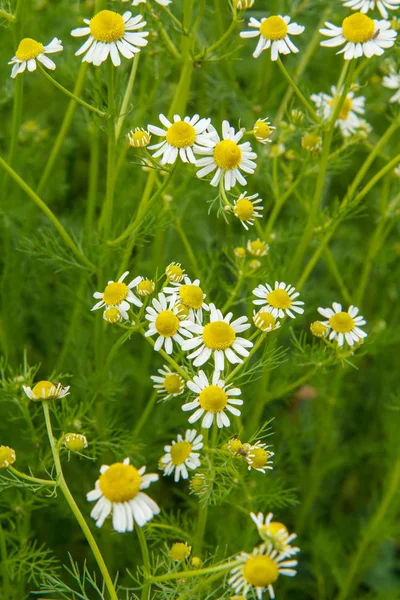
point(107, 26)
point(7, 456)
point(279, 299)
point(240, 252)
point(180, 452)
point(120, 483)
point(180, 551)
point(260, 571)
point(244, 209)
point(257, 247)
point(264, 320)
point(173, 383)
point(115, 293)
point(181, 135)
point(342, 322)
point(146, 287)
point(258, 457)
point(345, 109)
point(319, 329)
point(29, 48)
point(235, 445)
point(227, 155)
point(75, 442)
point(213, 399)
point(196, 562)
point(174, 272)
point(358, 28)
point(218, 335)
point(167, 323)
point(261, 130)
point(311, 142)
point(44, 389)
point(273, 28)
point(138, 138)
point(191, 296)
point(112, 315)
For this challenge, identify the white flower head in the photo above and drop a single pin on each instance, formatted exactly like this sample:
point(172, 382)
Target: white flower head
point(164, 321)
point(392, 82)
point(46, 390)
point(29, 51)
point(190, 296)
point(345, 325)
point(360, 35)
point(226, 157)
point(262, 130)
point(274, 32)
point(265, 320)
point(365, 5)
point(118, 294)
point(180, 138)
point(213, 399)
point(112, 315)
point(182, 455)
point(348, 120)
point(248, 208)
point(258, 457)
point(281, 299)
point(168, 383)
point(275, 533)
point(119, 491)
point(219, 338)
point(111, 34)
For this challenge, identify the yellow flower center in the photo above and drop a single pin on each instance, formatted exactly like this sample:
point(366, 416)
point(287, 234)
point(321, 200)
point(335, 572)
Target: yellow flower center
point(218, 335)
point(183, 311)
point(174, 272)
point(29, 48)
point(261, 130)
point(227, 155)
point(213, 398)
point(7, 457)
point(107, 26)
point(180, 452)
point(257, 247)
point(180, 551)
point(275, 527)
point(264, 320)
point(145, 287)
point(197, 482)
point(279, 299)
point(139, 138)
point(311, 141)
point(273, 28)
point(260, 571)
point(259, 458)
point(44, 389)
point(358, 28)
point(181, 134)
point(191, 296)
point(234, 445)
point(240, 252)
point(244, 209)
point(342, 322)
point(318, 329)
point(120, 483)
point(112, 315)
point(75, 442)
point(345, 109)
point(173, 383)
point(115, 293)
point(167, 323)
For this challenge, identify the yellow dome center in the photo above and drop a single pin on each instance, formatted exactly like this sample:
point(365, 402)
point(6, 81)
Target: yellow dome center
point(273, 28)
point(112, 315)
point(227, 155)
point(173, 383)
point(179, 551)
point(115, 293)
point(174, 272)
point(358, 28)
point(235, 445)
point(139, 138)
point(262, 130)
point(260, 571)
point(311, 141)
point(29, 48)
point(259, 458)
point(44, 389)
point(75, 442)
point(218, 335)
point(181, 135)
point(275, 527)
point(257, 247)
point(7, 457)
point(183, 311)
point(345, 109)
point(167, 323)
point(191, 296)
point(107, 26)
point(145, 287)
point(180, 452)
point(318, 329)
point(279, 299)
point(342, 322)
point(213, 399)
point(265, 320)
point(120, 483)
point(244, 209)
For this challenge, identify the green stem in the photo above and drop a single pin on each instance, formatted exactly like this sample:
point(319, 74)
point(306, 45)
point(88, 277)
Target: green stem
point(31, 479)
point(169, 359)
point(188, 247)
point(105, 220)
point(297, 91)
point(219, 42)
point(7, 16)
point(234, 292)
point(146, 563)
point(194, 572)
point(127, 96)
point(6, 587)
point(241, 365)
point(145, 415)
point(16, 116)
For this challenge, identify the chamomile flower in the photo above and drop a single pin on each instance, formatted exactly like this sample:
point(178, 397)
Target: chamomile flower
point(246, 209)
point(182, 455)
point(365, 5)
point(190, 295)
point(311, 142)
point(138, 138)
point(259, 570)
point(118, 294)
point(213, 399)
point(76, 442)
point(226, 157)
point(257, 247)
point(392, 82)
point(348, 120)
point(160, 2)
point(180, 138)
point(262, 131)
point(274, 33)
point(174, 272)
point(180, 551)
point(281, 300)
point(319, 329)
point(46, 390)
point(345, 325)
point(168, 384)
point(29, 51)
point(258, 457)
point(361, 36)
point(275, 533)
point(119, 491)
point(111, 34)
point(265, 320)
point(145, 287)
point(7, 456)
point(112, 315)
point(219, 338)
point(164, 321)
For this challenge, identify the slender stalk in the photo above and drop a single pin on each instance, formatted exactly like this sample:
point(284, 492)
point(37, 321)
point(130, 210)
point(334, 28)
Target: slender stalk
point(16, 116)
point(105, 221)
point(145, 415)
point(7, 16)
point(219, 42)
point(233, 294)
point(146, 563)
point(188, 247)
point(6, 587)
point(127, 96)
point(31, 479)
point(297, 91)
point(254, 349)
point(195, 572)
point(170, 360)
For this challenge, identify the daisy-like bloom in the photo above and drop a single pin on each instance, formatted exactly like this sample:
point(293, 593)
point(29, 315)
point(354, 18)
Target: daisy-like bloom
point(246, 209)
point(311, 142)
point(189, 295)
point(347, 120)
point(365, 5)
point(281, 300)
point(160, 2)
point(119, 295)
point(7, 456)
point(182, 455)
point(174, 272)
point(168, 384)
point(392, 82)
point(219, 338)
point(275, 533)
point(361, 36)
point(257, 247)
point(164, 320)
point(259, 570)
point(319, 329)
point(46, 390)
point(112, 315)
point(180, 551)
point(262, 131)
point(138, 138)
point(239, 252)
point(111, 34)
point(76, 442)
point(226, 157)
point(258, 457)
point(180, 138)
point(345, 324)
point(198, 484)
point(29, 51)
point(145, 287)
point(274, 33)
point(265, 320)
point(212, 400)
point(119, 491)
